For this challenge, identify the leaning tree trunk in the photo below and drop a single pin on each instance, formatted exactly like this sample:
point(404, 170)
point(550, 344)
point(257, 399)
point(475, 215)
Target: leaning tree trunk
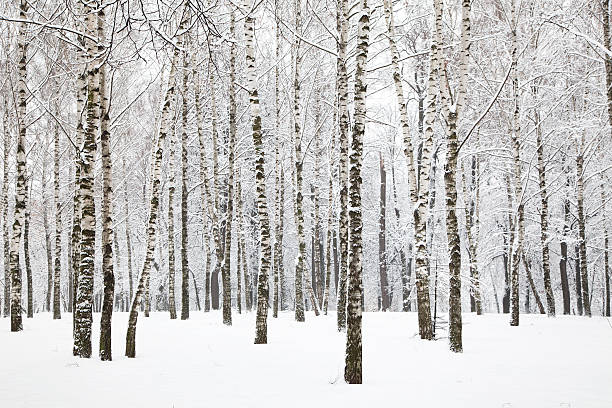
point(353, 370)
point(166, 116)
point(343, 121)
point(184, 192)
point(408, 150)
point(83, 318)
point(550, 299)
point(261, 330)
point(582, 227)
point(58, 228)
point(532, 286)
point(20, 187)
point(107, 199)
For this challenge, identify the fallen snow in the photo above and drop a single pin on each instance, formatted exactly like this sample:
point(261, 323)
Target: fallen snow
point(561, 362)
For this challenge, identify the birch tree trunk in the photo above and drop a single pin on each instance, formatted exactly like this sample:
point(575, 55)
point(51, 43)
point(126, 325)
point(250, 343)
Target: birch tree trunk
point(48, 244)
point(166, 116)
point(452, 114)
point(382, 232)
point(605, 17)
point(342, 81)
point(248, 300)
point(550, 299)
point(279, 204)
point(128, 240)
point(353, 369)
point(261, 330)
point(75, 237)
point(171, 243)
point(420, 212)
point(20, 187)
point(107, 199)
point(184, 192)
point(297, 136)
point(26, 253)
point(227, 286)
point(83, 318)
point(518, 186)
point(582, 227)
point(5, 220)
point(563, 248)
point(208, 212)
point(58, 228)
point(606, 308)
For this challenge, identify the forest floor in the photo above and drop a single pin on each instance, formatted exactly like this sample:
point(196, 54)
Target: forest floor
point(562, 362)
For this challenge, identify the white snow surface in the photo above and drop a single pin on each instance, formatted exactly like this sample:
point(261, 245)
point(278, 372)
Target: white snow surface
point(545, 362)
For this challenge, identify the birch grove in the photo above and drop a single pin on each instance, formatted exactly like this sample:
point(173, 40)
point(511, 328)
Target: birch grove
point(441, 161)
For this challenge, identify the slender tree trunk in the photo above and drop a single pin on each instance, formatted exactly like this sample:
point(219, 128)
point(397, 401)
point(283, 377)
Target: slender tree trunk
point(579, 304)
point(48, 245)
point(518, 186)
point(582, 228)
point(353, 369)
point(605, 17)
point(472, 231)
point(227, 286)
point(420, 213)
point(261, 330)
point(606, 308)
point(299, 198)
point(527, 267)
point(107, 199)
point(58, 229)
point(208, 212)
point(564, 258)
point(171, 244)
point(382, 232)
point(5, 220)
point(75, 237)
point(330, 228)
point(26, 253)
point(342, 81)
point(184, 192)
point(128, 240)
point(166, 115)
point(450, 179)
point(20, 187)
point(248, 300)
point(278, 249)
point(550, 299)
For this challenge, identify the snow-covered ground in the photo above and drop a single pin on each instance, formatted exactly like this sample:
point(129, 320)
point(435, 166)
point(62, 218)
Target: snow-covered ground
point(561, 362)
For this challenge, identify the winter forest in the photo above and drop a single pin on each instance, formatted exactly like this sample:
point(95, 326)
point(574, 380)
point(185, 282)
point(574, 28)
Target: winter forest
point(251, 202)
